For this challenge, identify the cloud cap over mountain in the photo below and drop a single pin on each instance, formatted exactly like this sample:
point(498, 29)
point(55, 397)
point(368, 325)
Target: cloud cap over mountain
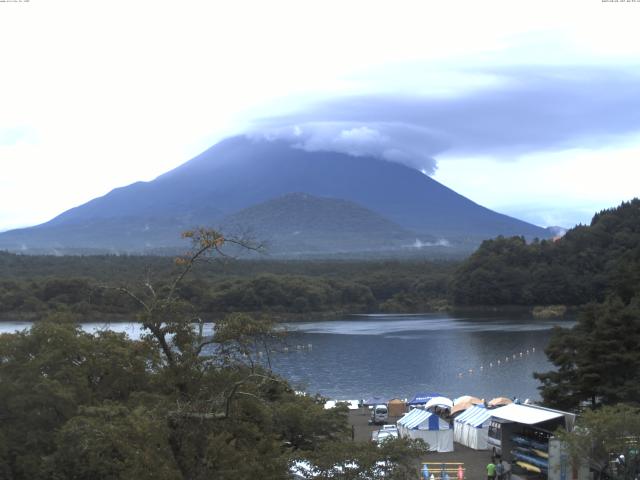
point(526, 109)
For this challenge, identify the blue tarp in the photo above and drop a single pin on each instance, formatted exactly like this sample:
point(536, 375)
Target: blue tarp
point(421, 398)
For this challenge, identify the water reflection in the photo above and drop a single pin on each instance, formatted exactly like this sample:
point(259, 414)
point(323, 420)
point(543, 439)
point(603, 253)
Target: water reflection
point(399, 355)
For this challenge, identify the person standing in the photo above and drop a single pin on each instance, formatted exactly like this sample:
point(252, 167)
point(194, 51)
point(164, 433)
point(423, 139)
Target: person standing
point(499, 469)
point(491, 471)
point(620, 464)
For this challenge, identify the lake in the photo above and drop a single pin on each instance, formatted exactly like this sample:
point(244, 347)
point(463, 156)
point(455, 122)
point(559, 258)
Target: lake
point(399, 355)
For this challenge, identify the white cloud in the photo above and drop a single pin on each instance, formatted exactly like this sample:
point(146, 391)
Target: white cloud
point(563, 187)
point(114, 92)
point(406, 144)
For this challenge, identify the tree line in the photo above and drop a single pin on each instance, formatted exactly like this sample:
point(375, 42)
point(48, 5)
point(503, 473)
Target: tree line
point(597, 362)
point(175, 404)
point(585, 265)
point(29, 288)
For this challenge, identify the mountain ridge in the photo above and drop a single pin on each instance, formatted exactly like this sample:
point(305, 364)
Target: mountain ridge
point(299, 223)
point(239, 173)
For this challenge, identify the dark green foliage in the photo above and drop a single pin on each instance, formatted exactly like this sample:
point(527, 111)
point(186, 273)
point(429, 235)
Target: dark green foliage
point(31, 286)
point(113, 441)
point(284, 293)
point(583, 266)
point(603, 433)
point(47, 374)
point(76, 405)
point(173, 405)
point(598, 360)
point(392, 459)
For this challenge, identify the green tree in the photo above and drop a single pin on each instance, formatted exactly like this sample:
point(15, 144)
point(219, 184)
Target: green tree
point(176, 404)
point(603, 434)
point(47, 373)
point(597, 360)
point(113, 441)
point(586, 265)
point(393, 459)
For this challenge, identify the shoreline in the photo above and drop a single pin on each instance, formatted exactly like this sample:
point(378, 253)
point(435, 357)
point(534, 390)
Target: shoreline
point(287, 317)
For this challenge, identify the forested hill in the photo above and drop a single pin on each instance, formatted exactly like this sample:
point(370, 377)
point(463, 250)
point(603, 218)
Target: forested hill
point(585, 265)
point(32, 286)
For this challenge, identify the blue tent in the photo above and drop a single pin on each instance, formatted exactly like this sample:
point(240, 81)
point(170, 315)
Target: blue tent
point(435, 431)
point(421, 398)
point(471, 427)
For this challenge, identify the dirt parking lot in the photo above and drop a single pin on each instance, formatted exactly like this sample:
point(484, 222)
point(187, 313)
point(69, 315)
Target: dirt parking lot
point(475, 462)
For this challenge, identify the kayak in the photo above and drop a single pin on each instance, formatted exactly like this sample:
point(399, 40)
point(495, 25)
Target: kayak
point(528, 467)
point(529, 442)
point(525, 456)
point(540, 453)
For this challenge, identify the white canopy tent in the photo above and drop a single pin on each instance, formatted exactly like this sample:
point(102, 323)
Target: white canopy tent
point(528, 414)
point(439, 402)
point(419, 423)
point(471, 427)
point(532, 414)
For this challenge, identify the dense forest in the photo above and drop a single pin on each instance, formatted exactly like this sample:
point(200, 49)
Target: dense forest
point(33, 285)
point(596, 362)
point(595, 267)
point(176, 404)
point(586, 265)
point(173, 405)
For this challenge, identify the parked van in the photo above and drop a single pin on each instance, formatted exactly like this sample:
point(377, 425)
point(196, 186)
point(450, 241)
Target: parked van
point(379, 414)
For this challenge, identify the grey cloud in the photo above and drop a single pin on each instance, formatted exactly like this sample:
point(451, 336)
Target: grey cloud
point(533, 109)
point(409, 144)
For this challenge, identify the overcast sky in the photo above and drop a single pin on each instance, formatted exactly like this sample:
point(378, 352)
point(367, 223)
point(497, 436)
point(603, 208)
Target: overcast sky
point(529, 108)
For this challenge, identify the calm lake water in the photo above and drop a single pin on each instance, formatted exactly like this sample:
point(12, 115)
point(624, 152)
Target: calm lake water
point(399, 355)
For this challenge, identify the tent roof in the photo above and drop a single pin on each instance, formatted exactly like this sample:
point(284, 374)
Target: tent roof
point(421, 398)
point(440, 402)
point(468, 399)
point(527, 414)
point(475, 416)
point(419, 417)
point(496, 402)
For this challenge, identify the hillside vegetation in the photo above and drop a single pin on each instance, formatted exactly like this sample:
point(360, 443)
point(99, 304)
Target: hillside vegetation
point(32, 286)
point(586, 265)
point(299, 224)
point(173, 405)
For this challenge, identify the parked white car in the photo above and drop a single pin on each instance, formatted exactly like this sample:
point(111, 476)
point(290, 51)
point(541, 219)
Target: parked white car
point(379, 414)
point(385, 433)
